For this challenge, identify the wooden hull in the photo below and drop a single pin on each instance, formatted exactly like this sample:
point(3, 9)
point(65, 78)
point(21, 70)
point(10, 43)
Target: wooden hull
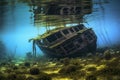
point(82, 52)
point(77, 44)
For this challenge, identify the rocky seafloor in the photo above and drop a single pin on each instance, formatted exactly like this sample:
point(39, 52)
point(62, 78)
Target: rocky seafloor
point(102, 66)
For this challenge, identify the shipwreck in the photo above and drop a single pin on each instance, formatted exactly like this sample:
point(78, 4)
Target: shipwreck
point(61, 40)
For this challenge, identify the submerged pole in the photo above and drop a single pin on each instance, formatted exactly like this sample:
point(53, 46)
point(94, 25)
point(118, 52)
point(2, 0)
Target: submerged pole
point(33, 47)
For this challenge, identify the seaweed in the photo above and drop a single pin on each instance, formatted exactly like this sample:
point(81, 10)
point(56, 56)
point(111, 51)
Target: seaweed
point(13, 76)
point(91, 77)
point(107, 55)
point(65, 61)
point(68, 69)
point(30, 78)
point(27, 64)
point(34, 71)
point(44, 76)
point(2, 77)
point(91, 68)
point(111, 68)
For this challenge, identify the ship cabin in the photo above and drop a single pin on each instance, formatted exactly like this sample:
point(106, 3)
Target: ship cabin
point(67, 40)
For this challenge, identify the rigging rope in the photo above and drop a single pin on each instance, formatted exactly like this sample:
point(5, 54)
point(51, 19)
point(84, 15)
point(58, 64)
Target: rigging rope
point(33, 46)
point(34, 49)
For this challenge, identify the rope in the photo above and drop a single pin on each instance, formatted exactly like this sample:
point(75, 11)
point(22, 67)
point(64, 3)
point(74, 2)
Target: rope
point(33, 46)
point(34, 49)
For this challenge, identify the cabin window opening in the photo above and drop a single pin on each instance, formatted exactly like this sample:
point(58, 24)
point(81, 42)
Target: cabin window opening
point(65, 32)
point(76, 29)
point(51, 38)
point(52, 9)
point(93, 34)
point(78, 10)
point(65, 11)
point(58, 35)
point(88, 36)
point(80, 27)
point(71, 30)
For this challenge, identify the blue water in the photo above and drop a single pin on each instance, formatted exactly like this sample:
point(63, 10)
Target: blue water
point(19, 27)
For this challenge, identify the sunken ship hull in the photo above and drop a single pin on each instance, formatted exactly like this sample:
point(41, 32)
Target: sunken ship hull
point(63, 41)
point(68, 42)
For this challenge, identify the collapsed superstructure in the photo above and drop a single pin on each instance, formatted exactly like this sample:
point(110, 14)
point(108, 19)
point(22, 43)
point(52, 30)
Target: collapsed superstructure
point(63, 41)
